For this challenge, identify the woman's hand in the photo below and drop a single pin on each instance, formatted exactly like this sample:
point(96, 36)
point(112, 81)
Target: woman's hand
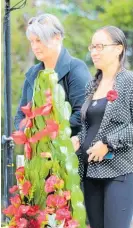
point(97, 152)
point(75, 142)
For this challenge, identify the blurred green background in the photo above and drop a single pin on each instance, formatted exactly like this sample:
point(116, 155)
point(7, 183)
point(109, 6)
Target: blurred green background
point(80, 20)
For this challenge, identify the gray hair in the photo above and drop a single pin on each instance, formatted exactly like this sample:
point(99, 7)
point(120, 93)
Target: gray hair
point(45, 26)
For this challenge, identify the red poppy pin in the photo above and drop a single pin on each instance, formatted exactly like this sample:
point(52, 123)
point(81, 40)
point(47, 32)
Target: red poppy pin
point(112, 95)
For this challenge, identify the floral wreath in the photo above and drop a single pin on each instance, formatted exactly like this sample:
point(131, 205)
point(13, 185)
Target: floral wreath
point(48, 191)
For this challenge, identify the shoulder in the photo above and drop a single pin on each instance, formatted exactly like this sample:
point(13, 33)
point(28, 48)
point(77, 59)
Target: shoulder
point(88, 88)
point(126, 76)
point(33, 69)
point(77, 63)
point(79, 69)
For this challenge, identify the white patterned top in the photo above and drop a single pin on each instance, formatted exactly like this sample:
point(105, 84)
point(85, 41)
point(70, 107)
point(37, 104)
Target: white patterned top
point(117, 126)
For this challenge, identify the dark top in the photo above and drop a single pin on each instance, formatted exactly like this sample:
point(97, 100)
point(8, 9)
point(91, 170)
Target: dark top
point(73, 75)
point(94, 118)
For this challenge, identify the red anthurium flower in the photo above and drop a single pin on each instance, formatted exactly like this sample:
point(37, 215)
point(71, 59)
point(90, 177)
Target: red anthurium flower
point(22, 210)
point(52, 126)
point(10, 211)
point(67, 195)
point(60, 201)
point(27, 110)
point(38, 136)
point(42, 217)
point(13, 189)
point(26, 187)
point(22, 223)
point(33, 223)
point(28, 150)
point(43, 110)
point(72, 224)
point(26, 122)
point(20, 173)
point(16, 200)
point(50, 183)
point(53, 135)
point(33, 210)
point(50, 201)
point(19, 137)
point(62, 214)
point(112, 95)
point(46, 109)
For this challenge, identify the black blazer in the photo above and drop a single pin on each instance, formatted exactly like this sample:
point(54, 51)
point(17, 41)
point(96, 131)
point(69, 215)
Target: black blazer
point(117, 126)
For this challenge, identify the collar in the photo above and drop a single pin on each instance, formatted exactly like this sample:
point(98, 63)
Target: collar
point(62, 67)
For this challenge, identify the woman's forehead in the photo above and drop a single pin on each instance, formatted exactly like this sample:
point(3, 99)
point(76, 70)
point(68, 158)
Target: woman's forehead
point(33, 36)
point(101, 37)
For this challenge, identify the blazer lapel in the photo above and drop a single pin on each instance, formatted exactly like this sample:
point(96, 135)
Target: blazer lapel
point(110, 109)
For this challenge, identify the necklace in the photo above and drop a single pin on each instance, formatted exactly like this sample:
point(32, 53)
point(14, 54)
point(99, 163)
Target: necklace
point(94, 103)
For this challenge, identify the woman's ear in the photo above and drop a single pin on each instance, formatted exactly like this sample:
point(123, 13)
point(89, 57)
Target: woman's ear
point(119, 49)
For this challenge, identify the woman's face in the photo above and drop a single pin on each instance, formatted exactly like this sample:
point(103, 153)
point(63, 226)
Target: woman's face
point(104, 56)
point(40, 50)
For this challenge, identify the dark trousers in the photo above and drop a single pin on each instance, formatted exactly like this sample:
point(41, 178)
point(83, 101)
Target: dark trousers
point(109, 202)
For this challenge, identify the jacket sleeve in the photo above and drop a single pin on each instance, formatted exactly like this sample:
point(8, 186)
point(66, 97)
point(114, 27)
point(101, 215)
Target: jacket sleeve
point(79, 76)
point(123, 135)
point(23, 101)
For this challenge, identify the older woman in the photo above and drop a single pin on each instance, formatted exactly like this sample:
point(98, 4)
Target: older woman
point(46, 34)
point(105, 144)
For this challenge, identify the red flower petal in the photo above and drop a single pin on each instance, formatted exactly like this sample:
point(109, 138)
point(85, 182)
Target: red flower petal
point(50, 184)
point(26, 187)
point(67, 195)
point(10, 211)
point(13, 189)
point(42, 217)
point(22, 210)
point(60, 201)
point(16, 200)
point(43, 110)
point(28, 150)
point(112, 95)
point(20, 173)
point(22, 223)
point(23, 123)
point(33, 223)
point(33, 210)
point(72, 224)
point(38, 136)
point(50, 202)
point(19, 137)
point(27, 109)
point(62, 214)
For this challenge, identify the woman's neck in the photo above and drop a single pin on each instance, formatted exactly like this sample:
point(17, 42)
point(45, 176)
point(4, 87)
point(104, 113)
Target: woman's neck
point(50, 63)
point(110, 72)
